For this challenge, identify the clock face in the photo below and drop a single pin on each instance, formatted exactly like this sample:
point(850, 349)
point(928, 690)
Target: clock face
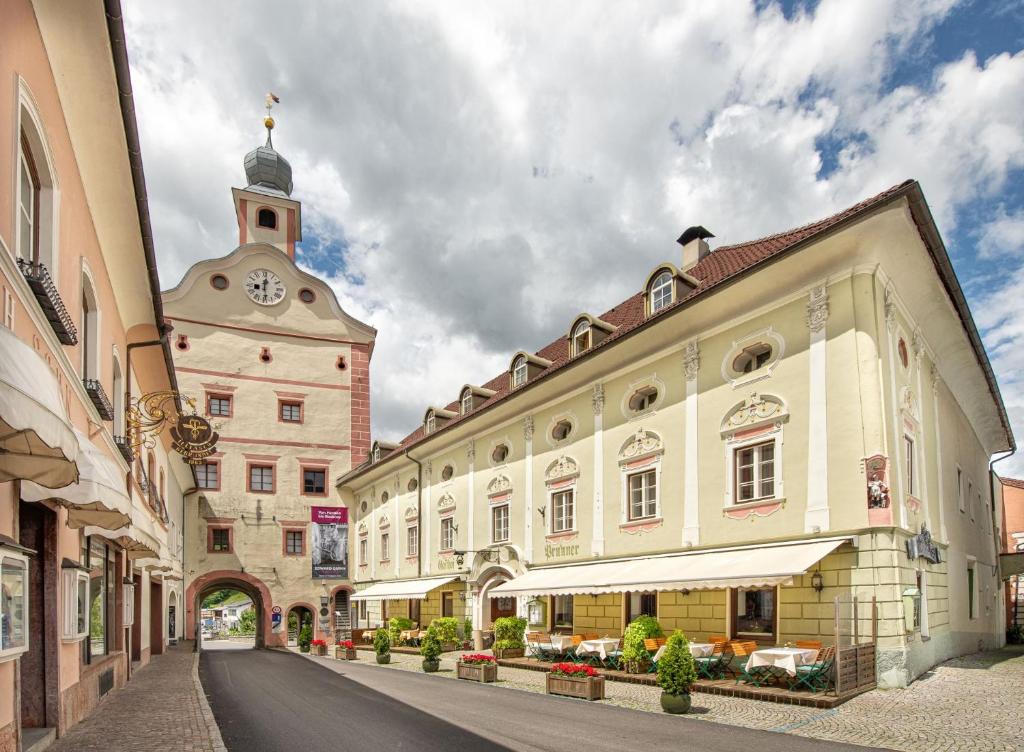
point(264, 287)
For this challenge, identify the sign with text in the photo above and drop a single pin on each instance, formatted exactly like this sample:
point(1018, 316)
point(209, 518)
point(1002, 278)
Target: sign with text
point(194, 439)
point(329, 543)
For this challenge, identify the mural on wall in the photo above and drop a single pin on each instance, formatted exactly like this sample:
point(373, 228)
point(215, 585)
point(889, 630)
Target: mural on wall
point(329, 543)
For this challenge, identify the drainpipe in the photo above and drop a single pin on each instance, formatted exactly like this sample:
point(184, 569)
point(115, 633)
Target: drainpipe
point(419, 513)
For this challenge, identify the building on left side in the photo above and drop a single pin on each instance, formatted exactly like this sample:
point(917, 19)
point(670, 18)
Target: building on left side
point(90, 533)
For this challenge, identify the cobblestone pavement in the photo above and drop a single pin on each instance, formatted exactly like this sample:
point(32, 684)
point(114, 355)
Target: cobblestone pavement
point(967, 704)
point(162, 709)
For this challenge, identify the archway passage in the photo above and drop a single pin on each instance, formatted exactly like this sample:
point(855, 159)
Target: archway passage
point(298, 616)
point(252, 588)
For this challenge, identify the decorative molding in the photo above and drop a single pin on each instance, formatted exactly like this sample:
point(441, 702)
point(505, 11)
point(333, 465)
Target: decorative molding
point(471, 450)
point(362, 529)
point(528, 428)
point(756, 409)
point(817, 309)
point(446, 503)
point(500, 484)
point(756, 509)
point(934, 377)
point(597, 399)
point(769, 335)
point(384, 522)
point(641, 444)
point(639, 527)
point(411, 514)
point(890, 309)
point(563, 467)
point(429, 467)
point(691, 360)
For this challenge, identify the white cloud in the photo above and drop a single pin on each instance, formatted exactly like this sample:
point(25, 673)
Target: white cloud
point(492, 169)
point(1003, 235)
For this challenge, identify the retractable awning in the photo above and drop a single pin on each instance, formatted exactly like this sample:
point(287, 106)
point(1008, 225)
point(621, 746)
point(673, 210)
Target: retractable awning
point(761, 566)
point(36, 439)
point(139, 537)
point(400, 590)
point(98, 498)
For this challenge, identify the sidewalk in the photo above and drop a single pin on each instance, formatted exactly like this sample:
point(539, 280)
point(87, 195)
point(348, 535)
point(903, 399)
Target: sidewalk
point(162, 709)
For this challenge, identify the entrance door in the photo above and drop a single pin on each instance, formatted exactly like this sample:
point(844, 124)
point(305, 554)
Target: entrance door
point(156, 618)
point(137, 620)
point(39, 665)
point(501, 607)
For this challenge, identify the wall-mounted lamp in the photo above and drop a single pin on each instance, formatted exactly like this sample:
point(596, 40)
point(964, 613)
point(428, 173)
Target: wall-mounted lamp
point(817, 582)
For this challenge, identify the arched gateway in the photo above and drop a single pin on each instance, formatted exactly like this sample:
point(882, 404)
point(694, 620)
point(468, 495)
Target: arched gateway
point(205, 584)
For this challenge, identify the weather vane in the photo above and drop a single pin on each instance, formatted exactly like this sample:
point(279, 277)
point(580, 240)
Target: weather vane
point(268, 121)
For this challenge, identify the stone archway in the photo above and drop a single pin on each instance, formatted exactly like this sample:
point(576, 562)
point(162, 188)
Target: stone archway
point(301, 608)
point(341, 612)
point(203, 585)
point(488, 579)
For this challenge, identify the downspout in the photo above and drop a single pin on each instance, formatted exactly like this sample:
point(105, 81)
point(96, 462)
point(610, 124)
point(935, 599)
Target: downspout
point(419, 512)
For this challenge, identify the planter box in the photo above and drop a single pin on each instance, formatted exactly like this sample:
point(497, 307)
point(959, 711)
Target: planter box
point(318, 649)
point(481, 672)
point(585, 688)
point(509, 653)
point(448, 647)
point(345, 654)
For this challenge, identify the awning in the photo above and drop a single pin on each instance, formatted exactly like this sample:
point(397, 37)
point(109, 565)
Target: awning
point(98, 498)
point(759, 566)
point(400, 590)
point(36, 439)
point(138, 538)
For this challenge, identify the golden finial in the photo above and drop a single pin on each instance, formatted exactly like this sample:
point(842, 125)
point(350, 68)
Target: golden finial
point(272, 99)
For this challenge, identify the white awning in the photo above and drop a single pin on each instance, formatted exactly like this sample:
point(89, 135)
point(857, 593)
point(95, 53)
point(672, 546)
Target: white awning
point(400, 590)
point(98, 498)
point(139, 538)
point(760, 566)
point(36, 439)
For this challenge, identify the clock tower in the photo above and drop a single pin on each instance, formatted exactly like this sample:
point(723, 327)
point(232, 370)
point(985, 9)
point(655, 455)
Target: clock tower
point(282, 372)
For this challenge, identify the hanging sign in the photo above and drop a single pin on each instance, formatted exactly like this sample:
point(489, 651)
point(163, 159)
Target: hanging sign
point(194, 439)
point(329, 543)
point(921, 546)
point(192, 435)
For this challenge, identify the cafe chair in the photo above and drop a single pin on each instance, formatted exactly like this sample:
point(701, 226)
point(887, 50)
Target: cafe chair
point(818, 675)
point(743, 649)
point(716, 665)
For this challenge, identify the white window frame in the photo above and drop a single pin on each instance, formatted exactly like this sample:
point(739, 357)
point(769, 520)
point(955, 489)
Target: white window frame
point(70, 579)
point(554, 492)
point(128, 599)
point(30, 123)
point(582, 329)
point(519, 372)
point(910, 463)
point(467, 401)
point(960, 497)
point(662, 292)
point(733, 445)
point(412, 539)
point(385, 546)
point(756, 463)
point(23, 564)
point(640, 473)
point(431, 423)
point(447, 533)
point(495, 509)
point(364, 547)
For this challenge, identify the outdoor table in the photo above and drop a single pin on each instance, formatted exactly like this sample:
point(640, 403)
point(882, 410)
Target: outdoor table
point(599, 647)
point(697, 650)
point(781, 660)
point(561, 643)
point(408, 635)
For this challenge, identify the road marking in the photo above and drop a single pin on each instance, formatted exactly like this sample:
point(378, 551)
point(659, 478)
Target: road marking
point(797, 724)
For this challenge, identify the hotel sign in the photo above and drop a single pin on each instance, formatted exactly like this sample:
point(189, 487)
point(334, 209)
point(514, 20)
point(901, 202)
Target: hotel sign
point(921, 546)
point(194, 439)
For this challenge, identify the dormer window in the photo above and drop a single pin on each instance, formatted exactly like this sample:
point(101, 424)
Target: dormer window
point(431, 422)
point(466, 401)
point(376, 454)
point(752, 358)
point(581, 338)
point(267, 218)
point(643, 399)
point(661, 291)
point(518, 372)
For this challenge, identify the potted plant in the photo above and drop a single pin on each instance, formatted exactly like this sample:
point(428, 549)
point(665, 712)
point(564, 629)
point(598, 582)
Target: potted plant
point(478, 667)
point(677, 672)
point(305, 638)
point(430, 649)
point(397, 625)
point(345, 650)
point(447, 631)
point(575, 680)
point(318, 647)
point(508, 637)
point(634, 654)
point(382, 646)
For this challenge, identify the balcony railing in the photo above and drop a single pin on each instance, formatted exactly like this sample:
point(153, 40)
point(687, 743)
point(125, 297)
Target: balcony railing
point(125, 448)
point(99, 398)
point(39, 280)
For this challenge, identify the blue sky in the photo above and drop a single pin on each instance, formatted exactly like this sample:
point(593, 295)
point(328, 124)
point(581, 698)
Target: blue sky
point(458, 161)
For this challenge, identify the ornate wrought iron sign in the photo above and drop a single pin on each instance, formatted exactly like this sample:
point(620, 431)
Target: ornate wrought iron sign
point(921, 546)
point(194, 439)
point(192, 435)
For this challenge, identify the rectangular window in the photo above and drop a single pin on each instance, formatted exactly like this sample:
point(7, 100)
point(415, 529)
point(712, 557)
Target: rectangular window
point(291, 412)
point(447, 534)
point(363, 609)
point(363, 548)
point(917, 600)
point(14, 612)
point(385, 546)
point(314, 481)
point(499, 523)
point(28, 205)
point(294, 542)
point(908, 457)
point(971, 606)
point(76, 604)
point(99, 621)
point(563, 511)
point(641, 604)
point(218, 405)
point(447, 604)
point(561, 611)
point(970, 498)
point(755, 472)
point(643, 495)
point(261, 478)
point(412, 538)
point(755, 613)
point(960, 490)
point(220, 540)
point(208, 475)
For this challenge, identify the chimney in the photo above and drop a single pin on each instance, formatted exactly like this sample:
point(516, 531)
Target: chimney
point(695, 247)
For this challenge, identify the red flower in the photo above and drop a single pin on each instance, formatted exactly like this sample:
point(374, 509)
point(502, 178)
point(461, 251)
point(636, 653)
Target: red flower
point(576, 670)
point(347, 644)
point(473, 659)
point(319, 643)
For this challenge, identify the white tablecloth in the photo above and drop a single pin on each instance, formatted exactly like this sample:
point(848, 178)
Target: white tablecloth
point(697, 650)
point(785, 658)
point(599, 647)
point(561, 642)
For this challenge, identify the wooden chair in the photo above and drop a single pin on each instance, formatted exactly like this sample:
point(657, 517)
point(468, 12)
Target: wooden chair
point(614, 659)
point(590, 636)
point(651, 646)
point(743, 649)
point(817, 675)
point(716, 665)
point(533, 645)
point(809, 644)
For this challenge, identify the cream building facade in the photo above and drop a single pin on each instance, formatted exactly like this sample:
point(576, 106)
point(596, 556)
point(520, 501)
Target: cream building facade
point(282, 372)
point(90, 531)
point(764, 431)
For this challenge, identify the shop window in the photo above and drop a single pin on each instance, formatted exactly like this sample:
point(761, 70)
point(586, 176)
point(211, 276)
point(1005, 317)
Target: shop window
point(101, 598)
point(447, 534)
point(290, 412)
point(641, 604)
point(414, 611)
point(314, 481)
point(561, 612)
point(75, 584)
point(13, 605)
point(219, 540)
point(499, 523)
point(208, 475)
point(755, 472)
point(563, 511)
point(261, 478)
point(218, 405)
point(447, 604)
point(754, 613)
point(643, 495)
point(412, 538)
point(294, 542)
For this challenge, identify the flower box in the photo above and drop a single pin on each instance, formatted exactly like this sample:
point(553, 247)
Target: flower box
point(502, 653)
point(584, 687)
point(318, 649)
point(480, 672)
point(344, 654)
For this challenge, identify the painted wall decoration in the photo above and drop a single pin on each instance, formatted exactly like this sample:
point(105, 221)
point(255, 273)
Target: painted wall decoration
point(329, 543)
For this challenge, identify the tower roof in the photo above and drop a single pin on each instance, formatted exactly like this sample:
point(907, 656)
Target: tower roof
point(266, 169)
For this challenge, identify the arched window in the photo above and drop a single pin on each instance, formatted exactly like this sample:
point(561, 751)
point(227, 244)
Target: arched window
point(466, 401)
point(518, 372)
point(643, 399)
point(430, 425)
point(89, 330)
point(752, 358)
point(117, 384)
point(581, 337)
point(661, 291)
point(267, 218)
point(36, 190)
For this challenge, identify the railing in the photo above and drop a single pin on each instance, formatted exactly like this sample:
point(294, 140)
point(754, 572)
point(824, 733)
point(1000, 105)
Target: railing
point(125, 448)
point(49, 300)
point(99, 398)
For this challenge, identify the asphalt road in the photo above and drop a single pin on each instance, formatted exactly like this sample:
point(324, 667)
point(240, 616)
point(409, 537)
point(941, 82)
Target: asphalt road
point(272, 701)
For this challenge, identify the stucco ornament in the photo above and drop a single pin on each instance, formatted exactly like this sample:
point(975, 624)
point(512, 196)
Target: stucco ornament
point(563, 467)
point(528, 427)
point(890, 309)
point(691, 360)
point(411, 514)
point(362, 528)
point(384, 522)
point(934, 374)
point(817, 309)
point(917, 344)
point(640, 444)
point(499, 485)
point(755, 409)
point(471, 450)
point(597, 399)
point(878, 493)
point(908, 403)
point(445, 503)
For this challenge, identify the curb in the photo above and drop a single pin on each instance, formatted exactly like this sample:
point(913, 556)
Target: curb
point(216, 740)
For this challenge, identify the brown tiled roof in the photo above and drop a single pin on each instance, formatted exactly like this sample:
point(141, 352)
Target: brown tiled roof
point(1014, 482)
point(713, 270)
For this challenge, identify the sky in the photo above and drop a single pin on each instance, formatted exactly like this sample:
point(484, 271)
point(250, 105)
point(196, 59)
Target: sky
point(474, 174)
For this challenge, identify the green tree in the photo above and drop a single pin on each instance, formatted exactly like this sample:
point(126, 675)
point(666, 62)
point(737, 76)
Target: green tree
point(677, 671)
point(247, 622)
